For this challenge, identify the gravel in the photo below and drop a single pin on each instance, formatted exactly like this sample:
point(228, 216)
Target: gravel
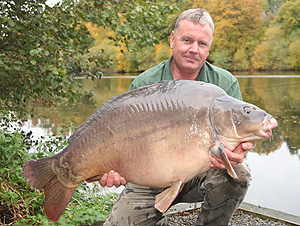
point(239, 218)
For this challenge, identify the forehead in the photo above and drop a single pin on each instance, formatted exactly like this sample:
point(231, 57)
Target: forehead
point(192, 29)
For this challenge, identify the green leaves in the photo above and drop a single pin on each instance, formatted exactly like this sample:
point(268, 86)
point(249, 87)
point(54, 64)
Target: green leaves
point(288, 16)
point(279, 48)
point(41, 45)
point(41, 51)
point(30, 47)
point(22, 205)
point(11, 22)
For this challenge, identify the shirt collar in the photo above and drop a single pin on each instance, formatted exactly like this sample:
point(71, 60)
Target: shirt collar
point(167, 74)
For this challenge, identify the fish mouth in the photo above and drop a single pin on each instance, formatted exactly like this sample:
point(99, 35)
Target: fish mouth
point(267, 125)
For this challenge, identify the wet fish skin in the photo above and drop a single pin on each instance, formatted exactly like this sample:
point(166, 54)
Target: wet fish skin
point(144, 134)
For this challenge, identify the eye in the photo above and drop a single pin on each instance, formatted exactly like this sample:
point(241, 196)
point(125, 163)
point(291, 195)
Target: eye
point(247, 110)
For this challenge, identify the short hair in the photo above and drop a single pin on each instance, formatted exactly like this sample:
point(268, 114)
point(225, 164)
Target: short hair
point(198, 15)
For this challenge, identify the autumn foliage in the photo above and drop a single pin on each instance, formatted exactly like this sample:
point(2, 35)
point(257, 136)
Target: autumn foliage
point(249, 35)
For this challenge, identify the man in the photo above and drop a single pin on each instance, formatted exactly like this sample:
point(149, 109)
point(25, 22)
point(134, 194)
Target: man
point(221, 195)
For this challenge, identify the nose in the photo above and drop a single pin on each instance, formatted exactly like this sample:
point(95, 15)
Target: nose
point(194, 47)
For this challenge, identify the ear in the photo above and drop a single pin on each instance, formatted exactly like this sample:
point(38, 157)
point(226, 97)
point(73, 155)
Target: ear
point(172, 40)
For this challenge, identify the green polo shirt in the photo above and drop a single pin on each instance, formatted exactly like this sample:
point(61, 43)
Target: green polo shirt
point(208, 73)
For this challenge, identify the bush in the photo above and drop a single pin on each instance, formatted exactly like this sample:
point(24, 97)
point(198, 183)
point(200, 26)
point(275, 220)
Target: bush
point(19, 204)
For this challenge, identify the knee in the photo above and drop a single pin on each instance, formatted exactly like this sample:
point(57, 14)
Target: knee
point(244, 174)
point(238, 187)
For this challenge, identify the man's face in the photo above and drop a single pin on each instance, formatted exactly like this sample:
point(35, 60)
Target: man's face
point(190, 46)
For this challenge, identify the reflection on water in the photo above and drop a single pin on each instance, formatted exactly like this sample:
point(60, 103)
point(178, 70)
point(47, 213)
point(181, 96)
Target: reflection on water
point(275, 165)
point(275, 182)
point(103, 89)
point(280, 97)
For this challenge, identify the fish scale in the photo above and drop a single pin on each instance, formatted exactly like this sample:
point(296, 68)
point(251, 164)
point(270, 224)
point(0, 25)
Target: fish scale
point(159, 135)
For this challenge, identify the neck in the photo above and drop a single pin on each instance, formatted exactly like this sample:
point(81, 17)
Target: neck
point(185, 77)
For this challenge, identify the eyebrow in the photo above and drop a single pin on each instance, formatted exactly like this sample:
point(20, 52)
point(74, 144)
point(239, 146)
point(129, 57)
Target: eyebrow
point(186, 37)
point(189, 37)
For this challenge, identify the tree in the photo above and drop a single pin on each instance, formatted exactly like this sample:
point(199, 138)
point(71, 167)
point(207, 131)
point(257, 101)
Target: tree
point(280, 46)
point(162, 52)
point(272, 53)
point(240, 59)
point(271, 8)
point(273, 5)
point(295, 54)
point(41, 47)
point(237, 23)
point(288, 16)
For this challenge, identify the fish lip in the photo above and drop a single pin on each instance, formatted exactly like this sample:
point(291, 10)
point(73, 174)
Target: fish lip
point(268, 124)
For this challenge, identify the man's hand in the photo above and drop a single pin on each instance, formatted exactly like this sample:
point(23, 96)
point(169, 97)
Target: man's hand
point(235, 157)
point(111, 179)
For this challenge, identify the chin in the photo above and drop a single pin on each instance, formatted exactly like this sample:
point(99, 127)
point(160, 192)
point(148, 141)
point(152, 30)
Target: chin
point(192, 68)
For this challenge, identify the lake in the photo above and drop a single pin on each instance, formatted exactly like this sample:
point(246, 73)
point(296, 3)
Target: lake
point(274, 164)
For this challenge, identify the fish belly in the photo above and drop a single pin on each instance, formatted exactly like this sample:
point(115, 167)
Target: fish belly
point(163, 157)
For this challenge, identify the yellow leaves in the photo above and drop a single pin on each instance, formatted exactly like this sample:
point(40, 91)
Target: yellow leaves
point(295, 54)
point(288, 15)
point(258, 59)
point(240, 59)
point(100, 34)
point(235, 21)
point(273, 32)
point(162, 52)
point(280, 48)
point(92, 28)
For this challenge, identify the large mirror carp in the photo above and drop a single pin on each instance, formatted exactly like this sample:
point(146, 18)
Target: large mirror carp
point(159, 135)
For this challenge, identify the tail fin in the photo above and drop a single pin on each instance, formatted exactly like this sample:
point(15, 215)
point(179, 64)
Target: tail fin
point(39, 174)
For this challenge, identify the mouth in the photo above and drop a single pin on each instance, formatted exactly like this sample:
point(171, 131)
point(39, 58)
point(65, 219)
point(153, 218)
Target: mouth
point(191, 58)
point(267, 126)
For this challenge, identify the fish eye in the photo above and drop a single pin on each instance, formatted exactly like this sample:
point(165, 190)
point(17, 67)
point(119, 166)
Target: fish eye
point(247, 110)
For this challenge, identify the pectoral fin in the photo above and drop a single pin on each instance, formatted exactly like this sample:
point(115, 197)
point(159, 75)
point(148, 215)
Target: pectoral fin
point(94, 179)
point(227, 164)
point(165, 198)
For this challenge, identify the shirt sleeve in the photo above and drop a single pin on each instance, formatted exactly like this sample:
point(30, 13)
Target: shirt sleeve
point(235, 91)
point(132, 86)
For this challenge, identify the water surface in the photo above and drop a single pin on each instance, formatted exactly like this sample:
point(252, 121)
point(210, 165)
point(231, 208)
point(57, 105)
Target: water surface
point(275, 164)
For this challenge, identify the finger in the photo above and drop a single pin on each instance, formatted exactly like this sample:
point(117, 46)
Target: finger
point(123, 181)
point(217, 163)
point(103, 180)
point(110, 179)
point(117, 182)
point(243, 147)
point(213, 162)
point(247, 146)
point(235, 158)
